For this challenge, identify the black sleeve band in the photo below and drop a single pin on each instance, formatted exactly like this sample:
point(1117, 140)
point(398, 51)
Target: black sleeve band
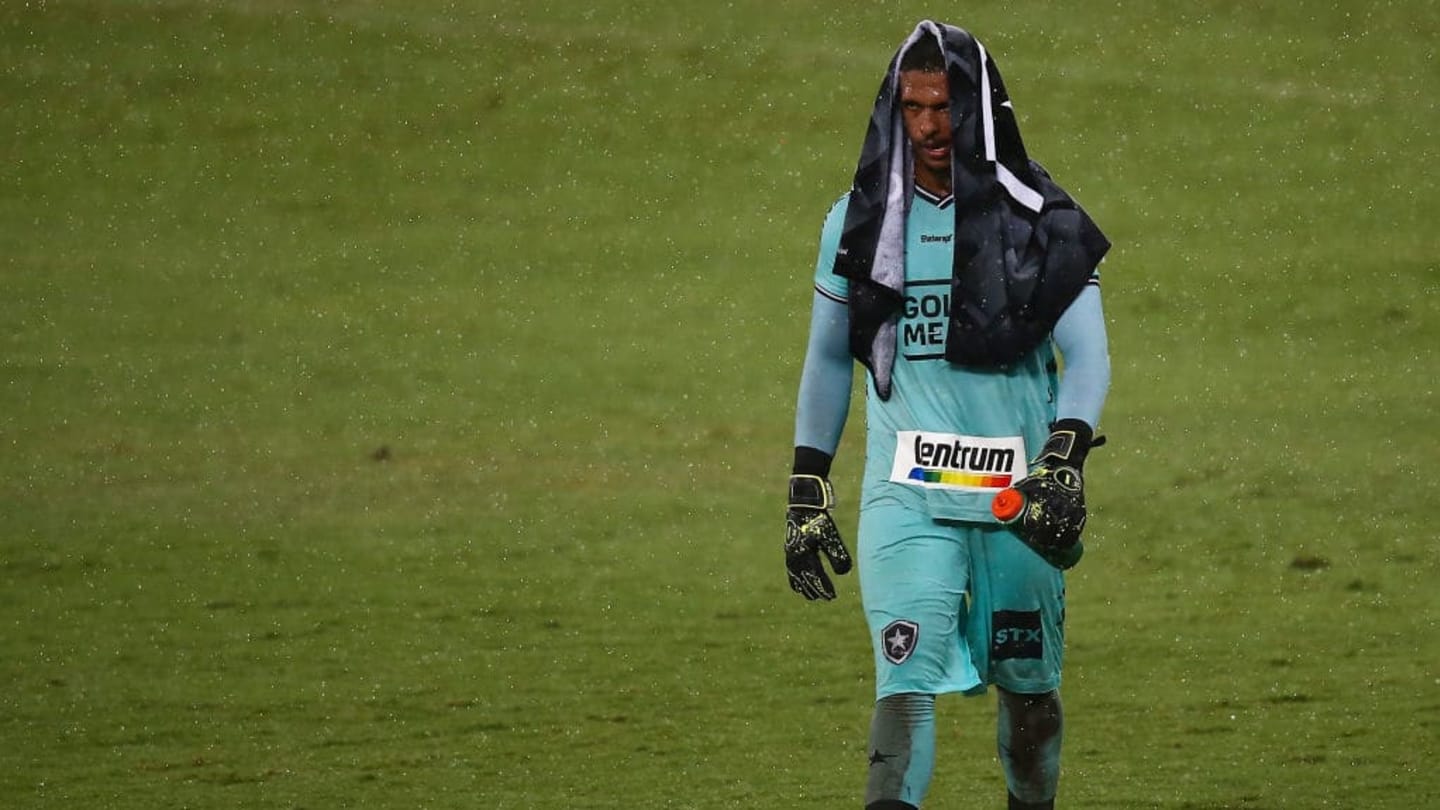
point(809, 461)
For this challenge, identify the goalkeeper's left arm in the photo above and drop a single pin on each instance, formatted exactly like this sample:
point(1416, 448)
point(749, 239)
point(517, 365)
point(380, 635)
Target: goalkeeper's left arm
point(1053, 513)
point(1080, 337)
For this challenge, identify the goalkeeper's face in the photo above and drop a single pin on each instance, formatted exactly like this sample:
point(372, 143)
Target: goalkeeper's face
point(925, 108)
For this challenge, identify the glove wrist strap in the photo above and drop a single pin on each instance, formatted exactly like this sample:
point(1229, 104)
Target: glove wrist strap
point(811, 491)
point(1069, 442)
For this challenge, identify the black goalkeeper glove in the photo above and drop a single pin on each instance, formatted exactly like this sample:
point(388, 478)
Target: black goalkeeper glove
point(809, 532)
point(1052, 510)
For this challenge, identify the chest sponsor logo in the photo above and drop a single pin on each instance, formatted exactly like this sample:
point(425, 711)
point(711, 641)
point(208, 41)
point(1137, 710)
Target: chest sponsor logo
point(926, 317)
point(952, 461)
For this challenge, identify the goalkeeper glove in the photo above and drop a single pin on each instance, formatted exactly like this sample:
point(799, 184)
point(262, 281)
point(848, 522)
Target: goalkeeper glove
point(809, 532)
point(1046, 509)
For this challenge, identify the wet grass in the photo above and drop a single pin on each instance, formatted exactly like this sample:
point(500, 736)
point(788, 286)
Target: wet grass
point(394, 400)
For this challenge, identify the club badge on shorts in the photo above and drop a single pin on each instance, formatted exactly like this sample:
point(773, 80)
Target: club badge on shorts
point(956, 462)
point(898, 640)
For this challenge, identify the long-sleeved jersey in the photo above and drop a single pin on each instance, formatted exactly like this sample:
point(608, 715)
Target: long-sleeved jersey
point(949, 437)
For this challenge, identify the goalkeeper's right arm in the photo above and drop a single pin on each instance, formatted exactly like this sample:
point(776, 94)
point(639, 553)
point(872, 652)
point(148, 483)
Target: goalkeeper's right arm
point(820, 413)
point(823, 402)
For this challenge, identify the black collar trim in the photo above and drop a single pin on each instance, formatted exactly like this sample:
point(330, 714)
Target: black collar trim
point(935, 199)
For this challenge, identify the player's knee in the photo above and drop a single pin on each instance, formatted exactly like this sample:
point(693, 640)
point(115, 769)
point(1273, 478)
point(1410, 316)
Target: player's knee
point(1032, 718)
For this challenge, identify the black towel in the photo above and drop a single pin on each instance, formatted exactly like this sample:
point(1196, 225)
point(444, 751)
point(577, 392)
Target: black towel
point(1023, 248)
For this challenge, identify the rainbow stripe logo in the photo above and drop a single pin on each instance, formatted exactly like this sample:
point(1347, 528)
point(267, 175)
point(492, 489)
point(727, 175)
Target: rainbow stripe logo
point(950, 478)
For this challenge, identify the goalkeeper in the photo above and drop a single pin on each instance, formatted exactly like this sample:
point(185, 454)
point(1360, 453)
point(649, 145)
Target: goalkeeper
point(958, 274)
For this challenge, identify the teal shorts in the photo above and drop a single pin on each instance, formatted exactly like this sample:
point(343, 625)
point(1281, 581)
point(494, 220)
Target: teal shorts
point(954, 607)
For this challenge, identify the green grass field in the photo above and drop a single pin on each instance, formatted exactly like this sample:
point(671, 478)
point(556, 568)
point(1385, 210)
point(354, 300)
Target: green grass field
point(396, 401)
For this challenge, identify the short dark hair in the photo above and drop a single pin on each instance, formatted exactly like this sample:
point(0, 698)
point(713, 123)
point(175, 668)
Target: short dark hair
point(924, 55)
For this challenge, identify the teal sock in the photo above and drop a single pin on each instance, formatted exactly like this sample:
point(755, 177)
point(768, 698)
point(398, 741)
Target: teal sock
point(902, 751)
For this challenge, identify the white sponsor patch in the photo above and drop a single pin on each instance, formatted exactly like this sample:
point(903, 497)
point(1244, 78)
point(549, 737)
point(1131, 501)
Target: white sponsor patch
point(955, 462)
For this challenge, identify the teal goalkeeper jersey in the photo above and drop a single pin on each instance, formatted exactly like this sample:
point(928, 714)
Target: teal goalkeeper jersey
point(948, 438)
